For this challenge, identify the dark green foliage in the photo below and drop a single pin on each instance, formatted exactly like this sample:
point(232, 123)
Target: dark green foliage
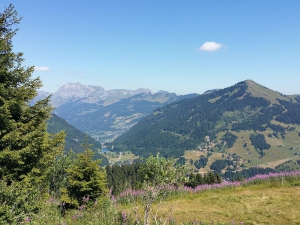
point(220, 164)
point(195, 180)
point(120, 178)
point(212, 178)
point(201, 163)
point(75, 138)
point(86, 179)
point(297, 98)
point(192, 181)
point(259, 142)
point(230, 138)
point(244, 174)
point(291, 116)
point(276, 128)
point(198, 179)
point(26, 149)
point(287, 166)
point(291, 128)
point(181, 161)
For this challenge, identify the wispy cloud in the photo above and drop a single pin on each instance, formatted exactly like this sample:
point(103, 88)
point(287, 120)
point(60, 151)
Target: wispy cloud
point(210, 46)
point(41, 68)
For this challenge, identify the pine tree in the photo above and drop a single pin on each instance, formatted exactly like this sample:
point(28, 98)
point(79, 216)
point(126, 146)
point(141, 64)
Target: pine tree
point(26, 149)
point(192, 180)
point(86, 180)
point(199, 179)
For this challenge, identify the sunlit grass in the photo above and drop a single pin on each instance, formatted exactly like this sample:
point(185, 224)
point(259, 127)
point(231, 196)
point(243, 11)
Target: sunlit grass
point(273, 201)
point(257, 204)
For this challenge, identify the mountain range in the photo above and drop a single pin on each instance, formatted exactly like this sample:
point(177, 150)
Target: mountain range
point(254, 124)
point(247, 123)
point(106, 114)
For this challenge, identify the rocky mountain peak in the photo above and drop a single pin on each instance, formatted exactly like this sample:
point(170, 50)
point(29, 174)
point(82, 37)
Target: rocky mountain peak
point(91, 94)
point(76, 90)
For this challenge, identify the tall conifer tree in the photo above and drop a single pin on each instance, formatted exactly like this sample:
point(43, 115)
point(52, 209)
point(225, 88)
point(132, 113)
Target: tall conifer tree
point(26, 149)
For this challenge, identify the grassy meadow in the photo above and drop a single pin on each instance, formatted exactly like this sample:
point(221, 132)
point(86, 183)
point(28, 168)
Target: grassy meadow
point(274, 201)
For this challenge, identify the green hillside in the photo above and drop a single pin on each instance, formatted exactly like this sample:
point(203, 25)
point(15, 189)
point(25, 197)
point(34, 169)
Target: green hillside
point(74, 137)
point(255, 123)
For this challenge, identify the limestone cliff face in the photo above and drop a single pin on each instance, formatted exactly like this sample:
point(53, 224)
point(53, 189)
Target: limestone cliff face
point(91, 94)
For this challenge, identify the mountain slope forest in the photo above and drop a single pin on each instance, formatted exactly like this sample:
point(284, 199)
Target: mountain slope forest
point(246, 118)
point(75, 138)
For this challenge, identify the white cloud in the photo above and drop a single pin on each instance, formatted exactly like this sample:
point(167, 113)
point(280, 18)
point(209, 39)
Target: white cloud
point(210, 46)
point(41, 68)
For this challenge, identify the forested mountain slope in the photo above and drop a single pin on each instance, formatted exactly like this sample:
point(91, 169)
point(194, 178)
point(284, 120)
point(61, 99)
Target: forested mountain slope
point(216, 122)
point(74, 137)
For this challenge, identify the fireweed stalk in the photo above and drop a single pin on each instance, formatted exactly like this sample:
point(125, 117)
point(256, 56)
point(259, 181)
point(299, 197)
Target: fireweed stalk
point(130, 193)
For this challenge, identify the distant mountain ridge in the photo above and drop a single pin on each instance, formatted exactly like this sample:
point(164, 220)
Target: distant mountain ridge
point(91, 94)
point(106, 114)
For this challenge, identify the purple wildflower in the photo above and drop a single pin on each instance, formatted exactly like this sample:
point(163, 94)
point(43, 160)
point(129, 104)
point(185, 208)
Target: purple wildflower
point(124, 216)
point(85, 199)
point(139, 193)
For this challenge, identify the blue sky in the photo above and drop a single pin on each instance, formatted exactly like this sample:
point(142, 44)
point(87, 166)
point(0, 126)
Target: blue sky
point(177, 46)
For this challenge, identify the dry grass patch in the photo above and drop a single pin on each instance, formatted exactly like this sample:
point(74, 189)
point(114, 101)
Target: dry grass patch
point(274, 163)
point(251, 205)
point(128, 156)
point(194, 155)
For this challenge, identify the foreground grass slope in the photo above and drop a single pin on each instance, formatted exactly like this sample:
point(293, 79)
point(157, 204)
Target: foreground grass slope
point(263, 202)
point(259, 204)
